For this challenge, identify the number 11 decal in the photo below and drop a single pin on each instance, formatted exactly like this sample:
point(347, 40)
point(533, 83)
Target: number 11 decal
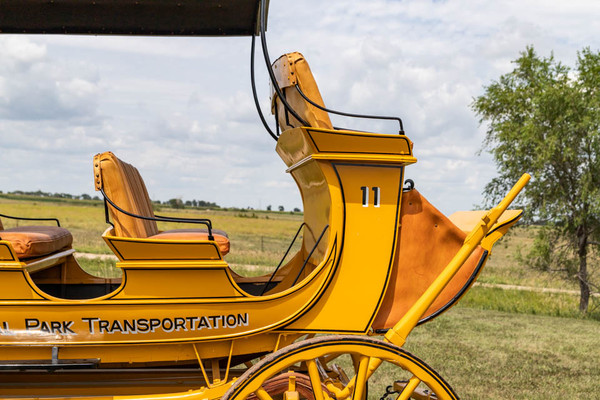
point(376, 196)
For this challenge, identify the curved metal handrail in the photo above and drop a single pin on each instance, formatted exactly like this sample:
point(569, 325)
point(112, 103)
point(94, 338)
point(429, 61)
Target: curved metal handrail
point(311, 253)
point(282, 259)
point(31, 219)
point(281, 95)
point(157, 218)
point(320, 107)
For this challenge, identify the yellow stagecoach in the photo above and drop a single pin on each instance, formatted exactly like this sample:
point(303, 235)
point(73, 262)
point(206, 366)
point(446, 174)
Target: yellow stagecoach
point(376, 258)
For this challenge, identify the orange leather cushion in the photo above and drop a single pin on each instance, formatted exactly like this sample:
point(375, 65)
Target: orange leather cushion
point(37, 241)
point(195, 235)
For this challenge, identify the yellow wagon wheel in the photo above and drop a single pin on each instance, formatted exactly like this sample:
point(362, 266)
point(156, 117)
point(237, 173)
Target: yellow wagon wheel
point(342, 368)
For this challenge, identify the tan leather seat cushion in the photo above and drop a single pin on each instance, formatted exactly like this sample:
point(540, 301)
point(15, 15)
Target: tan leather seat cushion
point(37, 241)
point(195, 235)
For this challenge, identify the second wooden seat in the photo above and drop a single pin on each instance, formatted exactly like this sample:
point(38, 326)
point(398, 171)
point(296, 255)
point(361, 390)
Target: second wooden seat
point(123, 185)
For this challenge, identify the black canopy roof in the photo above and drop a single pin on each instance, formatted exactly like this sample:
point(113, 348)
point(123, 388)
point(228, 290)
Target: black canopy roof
point(130, 17)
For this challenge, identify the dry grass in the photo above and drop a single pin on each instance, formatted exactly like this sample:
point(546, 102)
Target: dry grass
point(85, 221)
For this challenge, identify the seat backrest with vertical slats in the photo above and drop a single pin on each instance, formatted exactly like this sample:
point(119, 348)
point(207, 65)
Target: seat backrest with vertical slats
point(125, 187)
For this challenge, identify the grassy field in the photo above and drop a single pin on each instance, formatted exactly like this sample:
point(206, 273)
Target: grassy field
point(504, 268)
point(499, 355)
point(496, 344)
point(257, 238)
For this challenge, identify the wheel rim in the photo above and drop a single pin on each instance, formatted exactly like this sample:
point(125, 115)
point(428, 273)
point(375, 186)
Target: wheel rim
point(369, 362)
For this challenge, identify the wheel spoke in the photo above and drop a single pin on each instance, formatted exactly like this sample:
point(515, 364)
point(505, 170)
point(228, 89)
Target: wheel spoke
point(315, 379)
point(341, 374)
point(355, 361)
point(372, 365)
point(361, 378)
point(409, 388)
point(326, 359)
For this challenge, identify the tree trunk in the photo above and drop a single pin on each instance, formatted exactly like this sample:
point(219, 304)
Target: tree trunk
point(582, 276)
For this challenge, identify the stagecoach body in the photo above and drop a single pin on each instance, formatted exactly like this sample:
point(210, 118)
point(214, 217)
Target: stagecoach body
point(376, 258)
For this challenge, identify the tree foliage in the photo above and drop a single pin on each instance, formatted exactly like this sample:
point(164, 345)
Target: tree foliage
point(544, 118)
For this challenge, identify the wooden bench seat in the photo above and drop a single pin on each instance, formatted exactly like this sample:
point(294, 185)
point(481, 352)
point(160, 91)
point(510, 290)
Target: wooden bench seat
point(123, 185)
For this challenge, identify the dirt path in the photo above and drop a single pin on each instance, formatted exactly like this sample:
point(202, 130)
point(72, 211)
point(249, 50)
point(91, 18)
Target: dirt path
point(96, 256)
point(531, 288)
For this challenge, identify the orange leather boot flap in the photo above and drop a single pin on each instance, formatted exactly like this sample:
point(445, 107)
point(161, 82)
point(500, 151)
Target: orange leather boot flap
point(427, 242)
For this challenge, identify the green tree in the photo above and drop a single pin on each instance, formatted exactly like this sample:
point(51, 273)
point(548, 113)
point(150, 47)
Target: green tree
point(544, 118)
point(175, 203)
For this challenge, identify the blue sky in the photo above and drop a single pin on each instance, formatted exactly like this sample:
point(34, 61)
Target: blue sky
point(180, 109)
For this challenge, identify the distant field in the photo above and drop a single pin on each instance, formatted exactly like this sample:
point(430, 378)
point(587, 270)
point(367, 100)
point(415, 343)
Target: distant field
point(257, 237)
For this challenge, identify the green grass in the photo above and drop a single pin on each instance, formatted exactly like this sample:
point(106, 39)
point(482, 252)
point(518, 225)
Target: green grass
point(257, 238)
point(504, 268)
point(85, 221)
point(99, 267)
point(526, 302)
point(256, 241)
point(486, 354)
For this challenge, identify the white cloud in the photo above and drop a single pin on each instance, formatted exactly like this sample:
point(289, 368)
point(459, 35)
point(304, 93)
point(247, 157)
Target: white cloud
point(33, 86)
